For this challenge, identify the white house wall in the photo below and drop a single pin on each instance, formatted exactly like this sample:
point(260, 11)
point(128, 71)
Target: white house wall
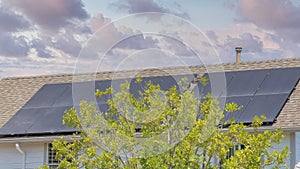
point(10, 158)
point(277, 147)
point(297, 147)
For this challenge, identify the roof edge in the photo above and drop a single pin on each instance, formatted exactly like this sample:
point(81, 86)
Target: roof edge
point(149, 69)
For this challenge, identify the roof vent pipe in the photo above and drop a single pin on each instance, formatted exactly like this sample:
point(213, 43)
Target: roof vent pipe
point(238, 51)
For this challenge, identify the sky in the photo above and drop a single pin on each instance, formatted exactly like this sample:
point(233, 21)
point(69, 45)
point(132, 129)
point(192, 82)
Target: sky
point(65, 36)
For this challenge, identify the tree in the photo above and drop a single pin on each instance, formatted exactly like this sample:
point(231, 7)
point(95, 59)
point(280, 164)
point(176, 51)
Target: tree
point(186, 138)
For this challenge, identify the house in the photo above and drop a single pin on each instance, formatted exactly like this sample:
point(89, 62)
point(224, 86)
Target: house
point(25, 134)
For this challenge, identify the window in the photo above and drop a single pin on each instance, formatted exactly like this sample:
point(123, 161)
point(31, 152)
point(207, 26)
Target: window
point(51, 161)
point(233, 150)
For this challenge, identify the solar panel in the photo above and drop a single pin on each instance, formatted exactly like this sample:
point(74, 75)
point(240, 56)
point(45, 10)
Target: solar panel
point(258, 91)
point(20, 122)
point(245, 83)
point(279, 81)
point(47, 95)
point(36, 120)
point(50, 121)
point(165, 82)
point(240, 100)
point(219, 88)
point(43, 113)
point(64, 98)
point(269, 105)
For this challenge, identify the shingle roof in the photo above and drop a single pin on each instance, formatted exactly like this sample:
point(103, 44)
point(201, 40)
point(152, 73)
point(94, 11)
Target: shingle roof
point(16, 91)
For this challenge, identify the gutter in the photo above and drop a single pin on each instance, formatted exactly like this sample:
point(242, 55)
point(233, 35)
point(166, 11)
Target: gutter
point(23, 154)
point(36, 139)
point(272, 128)
point(25, 139)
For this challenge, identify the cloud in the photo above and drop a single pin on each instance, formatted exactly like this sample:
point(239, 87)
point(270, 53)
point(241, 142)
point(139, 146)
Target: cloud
point(127, 38)
point(40, 48)
point(271, 14)
point(249, 43)
point(177, 47)
point(18, 34)
point(12, 46)
point(67, 43)
point(29, 67)
point(12, 22)
point(287, 48)
point(225, 43)
point(138, 42)
point(49, 14)
point(281, 16)
point(97, 21)
point(140, 6)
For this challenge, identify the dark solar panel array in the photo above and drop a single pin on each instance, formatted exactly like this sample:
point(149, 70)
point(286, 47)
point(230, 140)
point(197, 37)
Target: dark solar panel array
point(43, 113)
point(258, 91)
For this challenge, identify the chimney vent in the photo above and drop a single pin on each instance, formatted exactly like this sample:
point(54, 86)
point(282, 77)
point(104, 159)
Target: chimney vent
point(238, 51)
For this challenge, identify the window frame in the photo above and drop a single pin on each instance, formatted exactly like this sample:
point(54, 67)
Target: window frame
point(52, 163)
point(232, 150)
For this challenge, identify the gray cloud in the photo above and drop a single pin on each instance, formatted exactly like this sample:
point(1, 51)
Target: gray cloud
point(287, 48)
point(67, 43)
point(138, 42)
point(50, 14)
point(281, 16)
point(249, 43)
point(126, 37)
point(12, 22)
point(97, 21)
point(252, 46)
point(13, 46)
point(41, 48)
point(178, 47)
point(271, 14)
point(139, 6)
point(212, 36)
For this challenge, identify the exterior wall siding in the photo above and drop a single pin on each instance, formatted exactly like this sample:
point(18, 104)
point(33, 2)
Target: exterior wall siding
point(10, 158)
point(277, 147)
point(297, 147)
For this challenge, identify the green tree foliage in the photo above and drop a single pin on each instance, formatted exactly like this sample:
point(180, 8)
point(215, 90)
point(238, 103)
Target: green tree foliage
point(204, 142)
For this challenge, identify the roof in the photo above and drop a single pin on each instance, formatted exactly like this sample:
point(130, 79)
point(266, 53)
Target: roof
point(15, 92)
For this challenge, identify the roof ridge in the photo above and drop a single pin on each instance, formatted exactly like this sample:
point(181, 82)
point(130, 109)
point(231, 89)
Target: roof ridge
point(150, 69)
